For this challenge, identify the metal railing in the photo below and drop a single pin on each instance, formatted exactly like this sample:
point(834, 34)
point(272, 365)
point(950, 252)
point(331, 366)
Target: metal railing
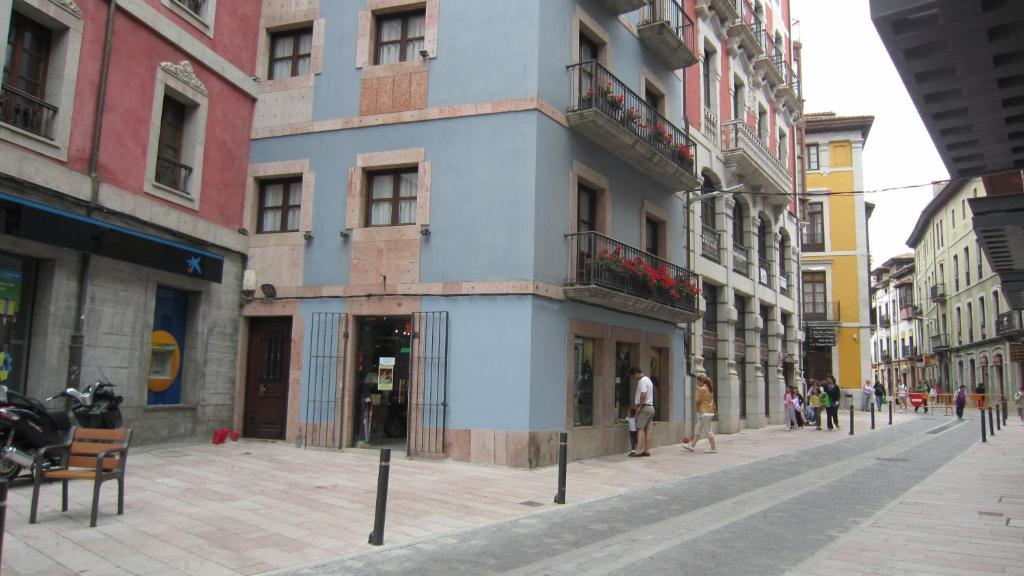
point(749, 17)
point(741, 259)
point(884, 321)
point(598, 260)
point(885, 357)
point(172, 173)
point(908, 352)
point(711, 244)
point(813, 241)
point(25, 111)
point(938, 291)
point(671, 12)
point(820, 311)
point(909, 312)
point(593, 87)
point(736, 135)
point(939, 341)
point(774, 54)
point(1008, 322)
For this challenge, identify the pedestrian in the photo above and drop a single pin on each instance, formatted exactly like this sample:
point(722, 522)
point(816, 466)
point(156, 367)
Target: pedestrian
point(961, 401)
point(705, 400)
point(787, 403)
point(865, 397)
point(1018, 401)
point(922, 391)
point(901, 396)
point(644, 406)
point(631, 419)
point(814, 398)
point(979, 392)
point(798, 407)
point(879, 394)
point(832, 410)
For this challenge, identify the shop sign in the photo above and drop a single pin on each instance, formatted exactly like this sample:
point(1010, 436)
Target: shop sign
point(1016, 352)
point(386, 373)
point(821, 336)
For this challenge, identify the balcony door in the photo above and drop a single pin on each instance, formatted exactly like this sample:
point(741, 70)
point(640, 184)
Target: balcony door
point(586, 221)
point(815, 301)
point(24, 78)
point(814, 235)
point(653, 241)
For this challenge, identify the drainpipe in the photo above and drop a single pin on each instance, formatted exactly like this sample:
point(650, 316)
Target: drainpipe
point(85, 261)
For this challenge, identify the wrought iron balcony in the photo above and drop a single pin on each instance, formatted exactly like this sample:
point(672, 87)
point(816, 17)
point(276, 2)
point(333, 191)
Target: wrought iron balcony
point(938, 292)
point(940, 342)
point(755, 162)
point(746, 27)
point(711, 244)
point(770, 60)
point(741, 259)
point(820, 312)
point(784, 283)
point(909, 312)
point(813, 241)
point(23, 110)
point(790, 88)
point(172, 173)
point(606, 111)
point(608, 273)
point(885, 357)
point(1010, 324)
point(884, 321)
point(908, 352)
point(624, 6)
point(726, 9)
point(669, 33)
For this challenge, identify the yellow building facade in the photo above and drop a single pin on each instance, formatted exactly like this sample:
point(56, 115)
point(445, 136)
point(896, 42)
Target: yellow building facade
point(834, 254)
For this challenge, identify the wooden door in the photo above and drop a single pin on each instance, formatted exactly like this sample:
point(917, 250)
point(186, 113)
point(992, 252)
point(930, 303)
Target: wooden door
point(266, 387)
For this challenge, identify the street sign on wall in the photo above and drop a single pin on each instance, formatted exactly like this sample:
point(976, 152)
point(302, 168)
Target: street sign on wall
point(821, 336)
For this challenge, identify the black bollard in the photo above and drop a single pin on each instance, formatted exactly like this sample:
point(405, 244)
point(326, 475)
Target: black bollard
point(983, 439)
point(851, 419)
point(1005, 410)
point(999, 426)
point(890, 411)
point(383, 471)
point(991, 428)
point(3, 516)
point(563, 456)
point(872, 414)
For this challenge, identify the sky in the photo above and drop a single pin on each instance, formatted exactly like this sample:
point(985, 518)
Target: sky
point(847, 70)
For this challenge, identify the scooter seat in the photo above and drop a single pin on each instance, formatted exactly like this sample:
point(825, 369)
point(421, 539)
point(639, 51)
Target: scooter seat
point(60, 419)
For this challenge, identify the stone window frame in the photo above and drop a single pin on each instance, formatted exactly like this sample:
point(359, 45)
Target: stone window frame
point(203, 22)
point(179, 82)
point(587, 24)
point(259, 173)
point(367, 32)
point(664, 399)
point(649, 80)
point(601, 336)
point(64, 18)
point(655, 212)
point(358, 185)
point(583, 174)
point(290, 21)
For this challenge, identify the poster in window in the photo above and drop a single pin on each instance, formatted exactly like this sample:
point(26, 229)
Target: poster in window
point(386, 373)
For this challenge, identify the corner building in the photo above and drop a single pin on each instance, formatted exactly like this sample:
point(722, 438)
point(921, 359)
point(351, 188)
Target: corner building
point(834, 251)
point(469, 267)
point(123, 210)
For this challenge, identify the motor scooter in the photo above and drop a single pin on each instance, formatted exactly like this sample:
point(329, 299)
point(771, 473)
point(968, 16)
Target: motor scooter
point(26, 425)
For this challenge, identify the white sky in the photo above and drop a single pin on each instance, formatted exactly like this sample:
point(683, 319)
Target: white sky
point(847, 70)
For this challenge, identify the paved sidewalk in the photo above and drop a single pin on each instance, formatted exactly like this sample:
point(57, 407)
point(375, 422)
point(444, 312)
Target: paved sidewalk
point(967, 518)
point(253, 507)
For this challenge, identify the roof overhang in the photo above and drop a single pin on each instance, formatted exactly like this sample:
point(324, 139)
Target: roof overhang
point(997, 223)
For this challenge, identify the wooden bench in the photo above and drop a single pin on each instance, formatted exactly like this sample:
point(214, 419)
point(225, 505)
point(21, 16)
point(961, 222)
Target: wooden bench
point(92, 454)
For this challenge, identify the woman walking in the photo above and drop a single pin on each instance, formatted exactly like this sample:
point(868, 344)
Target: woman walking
point(788, 403)
point(814, 397)
point(705, 399)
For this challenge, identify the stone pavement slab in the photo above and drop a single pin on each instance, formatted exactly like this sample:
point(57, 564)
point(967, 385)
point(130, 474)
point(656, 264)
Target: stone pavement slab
point(253, 507)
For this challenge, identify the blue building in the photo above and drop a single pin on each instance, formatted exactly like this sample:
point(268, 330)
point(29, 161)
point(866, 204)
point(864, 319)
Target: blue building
point(463, 234)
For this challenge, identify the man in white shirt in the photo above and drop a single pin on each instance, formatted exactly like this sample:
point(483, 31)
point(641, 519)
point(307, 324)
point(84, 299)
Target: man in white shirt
point(644, 401)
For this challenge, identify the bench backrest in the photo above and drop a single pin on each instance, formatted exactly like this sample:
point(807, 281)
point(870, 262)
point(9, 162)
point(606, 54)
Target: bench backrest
point(88, 443)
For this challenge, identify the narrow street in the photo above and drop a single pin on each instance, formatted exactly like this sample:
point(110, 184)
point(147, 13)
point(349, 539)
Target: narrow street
point(765, 517)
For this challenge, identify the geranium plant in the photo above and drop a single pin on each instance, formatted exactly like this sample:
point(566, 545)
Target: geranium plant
point(662, 135)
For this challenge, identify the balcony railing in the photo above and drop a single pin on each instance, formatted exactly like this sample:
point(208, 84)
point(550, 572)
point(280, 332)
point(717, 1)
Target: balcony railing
point(784, 284)
point(741, 259)
point(885, 357)
point(726, 8)
point(820, 311)
point(755, 161)
point(669, 33)
point(1009, 323)
point(746, 27)
point(883, 321)
point(909, 312)
point(938, 292)
point(609, 273)
point(908, 352)
point(939, 341)
point(813, 241)
point(172, 173)
point(711, 244)
point(23, 110)
point(624, 6)
point(606, 111)
point(771, 60)
point(710, 124)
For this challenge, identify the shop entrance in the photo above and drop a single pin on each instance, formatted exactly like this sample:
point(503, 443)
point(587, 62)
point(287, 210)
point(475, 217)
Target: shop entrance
point(818, 363)
point(383, 347)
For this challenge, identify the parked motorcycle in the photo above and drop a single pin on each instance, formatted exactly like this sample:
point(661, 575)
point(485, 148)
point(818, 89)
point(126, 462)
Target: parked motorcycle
point(26, 425)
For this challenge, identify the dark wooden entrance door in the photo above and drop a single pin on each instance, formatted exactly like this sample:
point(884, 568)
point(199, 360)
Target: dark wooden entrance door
point(266, 387)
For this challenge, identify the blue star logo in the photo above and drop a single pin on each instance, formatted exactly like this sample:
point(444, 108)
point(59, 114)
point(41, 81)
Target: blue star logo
point(193, 265)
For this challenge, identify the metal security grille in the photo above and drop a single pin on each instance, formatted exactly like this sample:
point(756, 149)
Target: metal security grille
point(324, 392)
point(428, 390)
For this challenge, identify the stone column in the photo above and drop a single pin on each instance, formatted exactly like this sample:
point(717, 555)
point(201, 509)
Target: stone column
point(728, 379)
point(756, 331)
point(777, 369)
